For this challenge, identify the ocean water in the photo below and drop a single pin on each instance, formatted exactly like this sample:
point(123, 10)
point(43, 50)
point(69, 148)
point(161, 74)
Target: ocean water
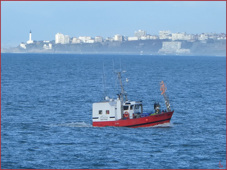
point(46, 112)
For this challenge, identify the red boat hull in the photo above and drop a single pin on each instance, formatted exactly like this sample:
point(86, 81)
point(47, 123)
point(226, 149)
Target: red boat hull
point(138, 122)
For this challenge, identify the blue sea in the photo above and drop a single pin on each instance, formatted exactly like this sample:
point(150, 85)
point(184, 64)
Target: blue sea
point(46, 112)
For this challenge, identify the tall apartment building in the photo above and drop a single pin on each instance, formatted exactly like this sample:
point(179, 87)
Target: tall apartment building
point(118, 37)
point(66, 39)
point(61, 39)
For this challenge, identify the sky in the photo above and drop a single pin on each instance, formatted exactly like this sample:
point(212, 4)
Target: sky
point(107, 18)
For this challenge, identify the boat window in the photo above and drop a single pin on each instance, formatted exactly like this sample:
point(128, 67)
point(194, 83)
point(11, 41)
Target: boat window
point(131, 107)
point(100, 112)
point(107, 112)
point(137, 106)
point(125, 107)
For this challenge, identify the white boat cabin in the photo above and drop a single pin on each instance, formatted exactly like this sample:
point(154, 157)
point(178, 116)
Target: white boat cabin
point(111, 110)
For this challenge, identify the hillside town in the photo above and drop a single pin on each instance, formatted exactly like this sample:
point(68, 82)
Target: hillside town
point(164, 43)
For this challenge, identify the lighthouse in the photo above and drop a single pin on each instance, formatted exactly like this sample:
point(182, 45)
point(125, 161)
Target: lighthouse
point(30, 38)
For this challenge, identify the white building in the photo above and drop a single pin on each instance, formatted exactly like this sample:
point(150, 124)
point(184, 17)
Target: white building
point(109, 39)
point(47, 46)
point(59, 38)
point(30, 38)
point(165, 35)
point(203, 37)
point(84, 39)
point(140, 34)
point(76, 40)
point(118, 37)
point(98, 39)
point(221, 38)
point(182, 36)
point(91, 41)
point(23, 45)
point(178, 36)
point(133, 38)
point(147, 37)
point(66, 39)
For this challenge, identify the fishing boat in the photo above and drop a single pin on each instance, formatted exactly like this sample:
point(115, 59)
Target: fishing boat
point(122, 112)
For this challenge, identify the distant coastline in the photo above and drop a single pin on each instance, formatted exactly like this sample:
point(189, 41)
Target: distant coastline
point(71, 53)
point(166, 43)
point(143, 47)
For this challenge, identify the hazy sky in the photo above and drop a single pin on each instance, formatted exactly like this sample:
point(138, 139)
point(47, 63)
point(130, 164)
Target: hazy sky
point(106, 19)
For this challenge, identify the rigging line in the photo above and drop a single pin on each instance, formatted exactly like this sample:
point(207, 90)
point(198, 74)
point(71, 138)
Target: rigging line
point(104, 82)
point(121, 72)
point(120, 65)
point(114, 78)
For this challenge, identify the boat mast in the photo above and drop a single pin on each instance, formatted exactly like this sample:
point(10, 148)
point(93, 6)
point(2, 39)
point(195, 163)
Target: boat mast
point(163, 90)
point(123, 93)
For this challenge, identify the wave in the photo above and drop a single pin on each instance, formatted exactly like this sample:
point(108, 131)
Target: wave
point(164, 125)
point(72, 124)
